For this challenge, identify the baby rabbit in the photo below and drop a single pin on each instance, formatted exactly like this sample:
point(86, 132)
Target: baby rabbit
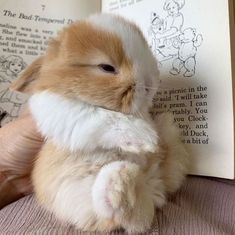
point(105, 163)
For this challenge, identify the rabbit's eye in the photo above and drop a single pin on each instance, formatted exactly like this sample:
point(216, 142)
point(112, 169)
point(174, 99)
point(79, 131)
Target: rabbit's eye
point(107, 68)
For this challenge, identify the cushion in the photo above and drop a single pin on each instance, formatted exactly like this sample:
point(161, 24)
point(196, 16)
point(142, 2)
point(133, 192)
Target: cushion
point(202, 206)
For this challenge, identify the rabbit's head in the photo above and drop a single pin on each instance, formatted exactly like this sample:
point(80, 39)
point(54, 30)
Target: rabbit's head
point(103, 61)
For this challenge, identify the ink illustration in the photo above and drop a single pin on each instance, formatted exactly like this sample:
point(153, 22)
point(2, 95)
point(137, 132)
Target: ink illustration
point(10, 101)
point(171, 41)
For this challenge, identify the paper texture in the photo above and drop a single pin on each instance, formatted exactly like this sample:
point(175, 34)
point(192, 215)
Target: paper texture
point(191, 41)
point(26, 26)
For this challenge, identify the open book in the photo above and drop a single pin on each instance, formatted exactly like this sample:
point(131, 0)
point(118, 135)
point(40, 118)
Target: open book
point(191, 40)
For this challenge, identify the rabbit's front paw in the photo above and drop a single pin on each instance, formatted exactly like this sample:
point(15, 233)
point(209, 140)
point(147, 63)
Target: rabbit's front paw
point(114, 189)
point(139, 137)
point(138, 145)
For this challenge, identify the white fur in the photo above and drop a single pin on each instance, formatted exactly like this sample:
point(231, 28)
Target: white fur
point(114, 182)
point(126, 187)
point(75, 124)
point(120, 192)
point(73, 201)
point(123, 189)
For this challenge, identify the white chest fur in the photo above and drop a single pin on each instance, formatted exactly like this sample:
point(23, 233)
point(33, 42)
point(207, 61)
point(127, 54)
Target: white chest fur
point(77, 125)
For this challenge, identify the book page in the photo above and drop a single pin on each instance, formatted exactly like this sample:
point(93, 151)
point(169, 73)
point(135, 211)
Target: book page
point(232, 32)
point(25, 27)
point(191, 40)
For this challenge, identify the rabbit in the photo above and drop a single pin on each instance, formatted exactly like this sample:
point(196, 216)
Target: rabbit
point(106, 164)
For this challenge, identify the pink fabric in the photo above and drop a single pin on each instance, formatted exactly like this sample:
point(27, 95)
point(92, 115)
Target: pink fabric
point(203, 206)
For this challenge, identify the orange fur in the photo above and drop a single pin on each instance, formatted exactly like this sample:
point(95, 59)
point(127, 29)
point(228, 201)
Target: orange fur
point(52, 169)
point(70, 68)
point(28, 77)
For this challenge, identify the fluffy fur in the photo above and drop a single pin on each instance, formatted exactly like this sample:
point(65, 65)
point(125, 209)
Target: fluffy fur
point(105, 164)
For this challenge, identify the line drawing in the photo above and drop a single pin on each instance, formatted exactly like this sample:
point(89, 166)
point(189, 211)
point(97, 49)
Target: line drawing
point(169, 41)
point(3, 115)
point(188, 43)
point(10, 67)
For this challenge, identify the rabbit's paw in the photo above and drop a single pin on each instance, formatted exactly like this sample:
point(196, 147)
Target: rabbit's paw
point(138, 146)
point(140, 137)
point(130, 134)
point(114, 189)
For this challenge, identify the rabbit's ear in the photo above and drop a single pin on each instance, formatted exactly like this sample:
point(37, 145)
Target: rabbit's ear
point(26, 80)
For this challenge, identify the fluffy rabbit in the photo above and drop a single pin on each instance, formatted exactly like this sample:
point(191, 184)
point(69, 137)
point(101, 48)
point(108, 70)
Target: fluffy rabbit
point(105, 163)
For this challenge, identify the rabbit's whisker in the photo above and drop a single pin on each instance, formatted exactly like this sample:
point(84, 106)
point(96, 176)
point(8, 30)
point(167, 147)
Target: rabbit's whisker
point(148, 87)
